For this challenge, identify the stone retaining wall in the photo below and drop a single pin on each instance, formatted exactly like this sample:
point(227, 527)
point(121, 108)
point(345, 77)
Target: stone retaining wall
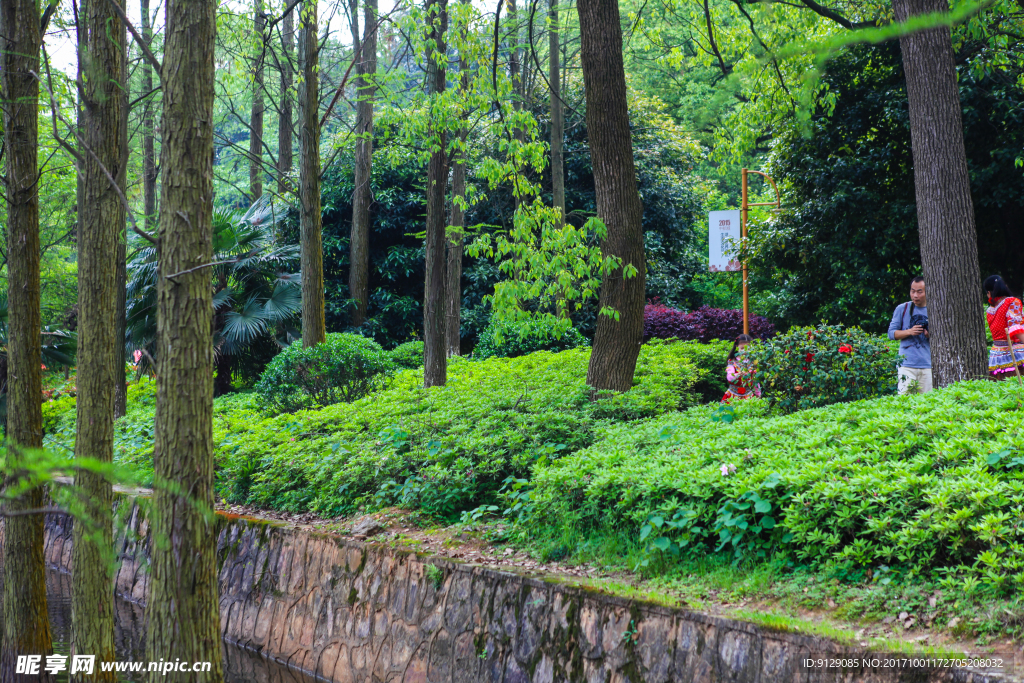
point(358, 613)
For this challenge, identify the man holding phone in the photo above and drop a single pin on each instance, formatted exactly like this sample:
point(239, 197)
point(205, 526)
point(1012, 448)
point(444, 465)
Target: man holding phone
point(910, 326)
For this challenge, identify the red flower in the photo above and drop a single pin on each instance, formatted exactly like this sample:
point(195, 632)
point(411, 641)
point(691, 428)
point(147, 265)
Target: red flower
point(806, 368)
point(809, 357)
point(845, 348)
point(740, 390)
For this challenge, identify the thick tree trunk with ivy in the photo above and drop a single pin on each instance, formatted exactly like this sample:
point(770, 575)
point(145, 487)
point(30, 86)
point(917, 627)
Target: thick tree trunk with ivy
point(183, 610)
point(435, 360)
point(945, 211)
point(26, 629)
point(284, 121)
point(101, 217)
point(617, 340)
point(557, 113)
point(311, 239)
point(256, 115)
point(359, 242)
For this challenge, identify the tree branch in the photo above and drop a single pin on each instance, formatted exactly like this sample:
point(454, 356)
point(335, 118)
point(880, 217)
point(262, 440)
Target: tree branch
point(150, 57)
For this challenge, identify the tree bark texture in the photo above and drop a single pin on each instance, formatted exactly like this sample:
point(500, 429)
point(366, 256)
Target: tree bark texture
point(557, 112)
point(284, 122)
point(183, 606)
point(435, 360)
point(101, 217)
point(359, 241)
point(256, 115)
point(945, 212)
point(311, 248)
point(148, 156)
point(616, 342)
point(26, 628)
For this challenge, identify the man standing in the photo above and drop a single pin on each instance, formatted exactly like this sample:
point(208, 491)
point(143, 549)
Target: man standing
point(910, 326)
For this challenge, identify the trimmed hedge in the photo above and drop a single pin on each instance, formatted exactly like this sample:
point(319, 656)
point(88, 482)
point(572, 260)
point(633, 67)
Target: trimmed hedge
point(342, 368)
point(703, 324)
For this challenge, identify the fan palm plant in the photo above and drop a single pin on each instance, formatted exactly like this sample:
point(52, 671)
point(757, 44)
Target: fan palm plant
point(256, 293)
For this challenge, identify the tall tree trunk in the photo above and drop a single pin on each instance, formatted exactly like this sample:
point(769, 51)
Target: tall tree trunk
point(616, 342)
point(284, 122)
point(183, 610)
point(435, 361)
point(101, 217)
point(359, 243)
point(557, 113)
point(26, 629)
point(311, 248)
point(120, 353)
point(515, 69)
point(945, 212)
point(256, 116)
point(148, 157)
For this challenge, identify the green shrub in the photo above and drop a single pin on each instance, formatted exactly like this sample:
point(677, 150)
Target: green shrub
point(408, 356)
point(927, 484)
point(810, 367)
point(55, 410)
point(343, 368)
point(509, 339)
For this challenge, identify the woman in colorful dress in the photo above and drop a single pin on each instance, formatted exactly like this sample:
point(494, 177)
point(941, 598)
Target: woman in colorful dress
point(1006, 321)
point(739, 373)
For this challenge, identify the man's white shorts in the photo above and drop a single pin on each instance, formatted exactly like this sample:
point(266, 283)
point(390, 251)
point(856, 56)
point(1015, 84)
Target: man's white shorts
point(915, 380)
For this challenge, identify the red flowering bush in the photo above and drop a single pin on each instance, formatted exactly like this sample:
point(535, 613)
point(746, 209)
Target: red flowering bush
point(702, 324)
point(811, 367)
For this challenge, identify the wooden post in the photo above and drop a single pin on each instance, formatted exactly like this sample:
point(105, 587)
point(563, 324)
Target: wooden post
point(743, 242)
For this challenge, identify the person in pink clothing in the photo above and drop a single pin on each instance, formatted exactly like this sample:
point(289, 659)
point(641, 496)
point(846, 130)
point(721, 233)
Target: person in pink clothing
point(739, 373)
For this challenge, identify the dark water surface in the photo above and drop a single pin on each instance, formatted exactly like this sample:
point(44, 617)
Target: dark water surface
point(240, 665)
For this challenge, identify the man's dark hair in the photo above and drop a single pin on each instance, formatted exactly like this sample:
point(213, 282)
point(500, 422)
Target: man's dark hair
point(916, 280)
point(997, 286)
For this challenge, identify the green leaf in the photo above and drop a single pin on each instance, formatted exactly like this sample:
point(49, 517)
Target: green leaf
point(769, 523)
point(645, 531)
point(762, 506)
point(662, 543)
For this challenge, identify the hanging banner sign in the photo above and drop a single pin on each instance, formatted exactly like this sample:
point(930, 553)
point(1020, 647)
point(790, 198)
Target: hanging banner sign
point(723, 237)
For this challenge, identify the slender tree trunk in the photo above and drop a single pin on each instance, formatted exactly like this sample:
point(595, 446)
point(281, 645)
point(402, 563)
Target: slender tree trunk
point(359, 243)
point(435, 361)
point(515, 75)
point(311, 248)
point(256, 117)
point(26, 629)
point(616, 342)
point(101, 217)
point(183, 610)
point(284, 123)
point(945, 212)
point(148, 157)
point(456, 235)
point(557, 113)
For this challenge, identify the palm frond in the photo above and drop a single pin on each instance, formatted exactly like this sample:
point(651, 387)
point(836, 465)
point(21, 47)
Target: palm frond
point(242, 326)
point(284, 302)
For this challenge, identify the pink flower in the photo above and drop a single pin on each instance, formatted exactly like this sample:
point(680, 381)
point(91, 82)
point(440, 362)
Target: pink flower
point(727, 468)
point(137, 356)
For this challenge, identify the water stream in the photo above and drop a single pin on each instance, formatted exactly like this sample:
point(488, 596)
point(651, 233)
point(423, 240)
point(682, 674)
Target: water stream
point(240, 665)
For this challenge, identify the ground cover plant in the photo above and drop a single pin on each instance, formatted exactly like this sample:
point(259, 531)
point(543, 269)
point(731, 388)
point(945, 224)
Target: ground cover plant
point(924, 486)
point(441, 450)
point(702, 324)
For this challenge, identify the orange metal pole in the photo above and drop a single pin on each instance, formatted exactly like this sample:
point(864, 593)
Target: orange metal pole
point(743, 241)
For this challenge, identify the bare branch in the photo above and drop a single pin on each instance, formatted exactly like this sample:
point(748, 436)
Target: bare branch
point(150, 57)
